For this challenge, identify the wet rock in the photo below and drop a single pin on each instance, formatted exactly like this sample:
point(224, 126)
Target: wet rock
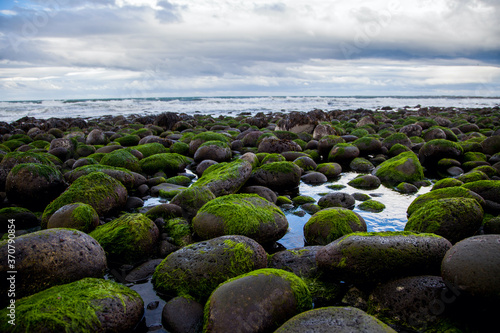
point(96, 137)
point(259, 301)
point(356, 257)
point(203, 137)
point(314, 178)
point(368, 145)
point(200, 168)
point(306, 163)
point(434, 150)
point(334, 319)
point(77, 216)
point(192, 199)
point(411, 130)
point(165, 211)
point(299, 261)
point(473, 266)
point(491, 145)
point(143, 272)
point(336, 199)
point(170, 163)
point(343, 153)
point(373, 206)
point(262, 191)
point(330, 224)
point(323, 130)
point(277, 176)
point(123, 159)
point(274, 145)
point(213, 150)
point(326, 144)
point(198, 269)
point(128, 178)
point(365, 182)
point(489, 190)
point(24, 218)
point(34, 185)
point(128, 239)
point(182, 315)
point(330, 170)
point(167, 190)
point(402, 168)
point(297, 122)
point(407, 188)
point(241, 214)
point(225, 178)
point(51, 257)
point(396, 138)
point(361, 165)
point(103, 306)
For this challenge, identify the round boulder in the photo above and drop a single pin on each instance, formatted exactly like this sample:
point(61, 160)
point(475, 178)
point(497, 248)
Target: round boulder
point(404, 167)
point(314, 177)
point(330, 224)
point(192, 199)
point(272, 144)
point(241, 214)
point(473, 266)
point(225, 178)
point(182, 315)
point(343, 153)
point(78, 216)
point(431, 152)
point(213, 150)
point(330, 170)
point(259, 301)
point(277, 175)
point(336, 199)
point(198, 269)
point(369, 182)
point(52, 257)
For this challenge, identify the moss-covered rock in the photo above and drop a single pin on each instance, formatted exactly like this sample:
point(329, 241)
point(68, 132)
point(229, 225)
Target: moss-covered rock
point(105, 194)
point(179, 230)
point(369, 182)
point(203, 137)
point(11, 159)
point(272, 144)
point(336, 199)
point(150, 149)
point(330, 224)
point(197, 269)
point(128, 178)
point(443, 193)
point(371, 257)
point(270, 295)
point(128, 140)
point(303, 199)
point(360, 164)
point(452, 218)
point(343, 153)
point(87, 305)
point(128, 239)
point(489, 190)
point(330, 170)
point(473, 176)
point(396, 138)
point(77, 216)
point(431, 152)
point(179, 180)
point(446, 182)
point(373, 206)
point(34, 185)
point(170, 163)
point(241, 214)
point(50, 257)
point(24, 218)
point(123, 159)
point(334, 319)
point(213, 150)
point(402, 168)
point(165, 211)
point(225, 178)
point(277, 175)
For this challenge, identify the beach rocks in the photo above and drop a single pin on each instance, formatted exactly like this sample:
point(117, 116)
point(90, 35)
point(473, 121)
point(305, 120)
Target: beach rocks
point(297, 122)
point(365, 182)
point(272, 145)
point(473, 266)
point(259, 301)
point(213, 150)
point(330, 224)
point(330, 170)
point(277, 175)
point(182, 315)
point(334, 319)
point(336, 199)
point(241, 214)
point(356, 257)
point(452, 218)
point(34, 185)
point(343, 153)
point(96, 137)
point(89, 304)
point(123, 159)
point(431, 152)
point(170, 163)
point(77, 216)
point(128, 239)
point(225, 178)
point(105, 194)
point(198, 269)
point(129, 179)
point(51, 257)
point(299, 261)
point(192, 199)
point(404, 167)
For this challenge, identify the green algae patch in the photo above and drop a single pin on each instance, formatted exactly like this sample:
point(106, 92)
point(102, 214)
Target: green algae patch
point(124, 176)
point(170, 163)
point(446, 182)
point(123, 159)
point(127, 239)
point(303, 199)
point(105, 194)
point(373, 206)
point(179, 230)
point(271, 158)
point(13, 158)
point(225, 178)
point(72, 307)
point(402, 168)
point(150, 149)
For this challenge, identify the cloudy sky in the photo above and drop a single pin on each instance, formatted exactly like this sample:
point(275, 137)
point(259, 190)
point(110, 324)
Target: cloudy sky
point(63, 49)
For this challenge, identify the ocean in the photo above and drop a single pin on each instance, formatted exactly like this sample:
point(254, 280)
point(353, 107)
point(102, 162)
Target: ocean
point(92, 108)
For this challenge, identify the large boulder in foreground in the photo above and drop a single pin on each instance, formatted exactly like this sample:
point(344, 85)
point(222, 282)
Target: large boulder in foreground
point(330, 224)
point(51, 257)
point(197, 269)
point(373, 257)
point(473, 266)
point(225, 178)
point(404, 167)
point(128, 239)
point(334, 319)
point(452, 218)
point(105, 194)
point(87, 305)
point(241, 214)
point(259, 301)
point(277, 175)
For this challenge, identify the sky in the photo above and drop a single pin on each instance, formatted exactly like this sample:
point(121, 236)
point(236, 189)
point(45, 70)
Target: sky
point(69, 49)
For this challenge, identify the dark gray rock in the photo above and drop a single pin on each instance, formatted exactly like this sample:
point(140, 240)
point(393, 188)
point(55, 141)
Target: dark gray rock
point(314, 178)
point(262, 191)
point(300, 261)
point(277, 176)
point(336, 199)
point(143, 272)
point(182, 315)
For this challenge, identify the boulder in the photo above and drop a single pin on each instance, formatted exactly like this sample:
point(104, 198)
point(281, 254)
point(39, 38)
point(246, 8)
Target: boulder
point(314, 178)
point(23, 218)
point(361, 165)
point(192, 199)
point(182, 315)
point(105, 194)
point(277, 176)
point(87, 305)
point(297, 122)
point(299, 261)
point(272, 144)
point(356, 257)
point(491, 145)
point(473, 266)
point(326, 144)
point(203, 137)
point(373, 206)
point(198, 269)
point(334, 319)
point(128, 239)
point(330, 170)
point(343, 153)
point(241, 214)
point(336, 199)
point(77, 216)
point(204, 165)
point(259, 301)
point(402, 168)
point(170, 163)
point(262, 191)
point(368, 145)
point(330, 224)
point(322, 130)
point(396, 138)
point(411, 130)
point(431, 152)
point(225, 178)
point(51, 257)
point(143, 272)
point(489, 190)
point(96, 137)
point(369, 182)
point(129, 179)
point(213, 150)
point(121, 158)
point(306, 163)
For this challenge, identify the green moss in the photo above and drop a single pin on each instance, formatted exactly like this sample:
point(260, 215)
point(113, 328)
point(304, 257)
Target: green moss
point(372, 206)
point(359, 132)
point(473, 176)
point(402, 168)
point(242, 213)
point(303, 199)
point(475, 156)
point(97, 156)
point(180, 148)
point(83, 216)
point(48, 172)
point(123, 159)
point(446, 182)
point(220, 172)
point(126, 239)
point(336, 187)
point(14, 158)
point(149, 149)
point(211, 136)
point(299, 288)
point(66, 308)
point(179, 230)
point(128, 140)
point(280, 167)
point(13, 144)
point(168, 163)
point(330, 224)
point(271, 158)
point(219, 144)
point(178, 180)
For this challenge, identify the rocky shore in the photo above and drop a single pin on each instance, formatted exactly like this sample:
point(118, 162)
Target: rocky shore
point(80, 232)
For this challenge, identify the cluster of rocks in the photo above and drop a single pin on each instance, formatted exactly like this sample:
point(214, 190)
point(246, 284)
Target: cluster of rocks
point(76, 190)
